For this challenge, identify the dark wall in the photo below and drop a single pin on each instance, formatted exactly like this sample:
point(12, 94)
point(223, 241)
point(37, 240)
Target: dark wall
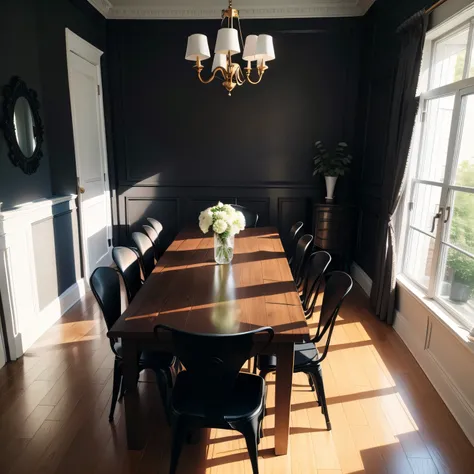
point(19, 56)
point(33, 46)
point(378, 65)
point(181, 145)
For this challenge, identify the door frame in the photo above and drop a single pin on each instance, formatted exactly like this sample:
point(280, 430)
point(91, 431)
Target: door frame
point(79, 47)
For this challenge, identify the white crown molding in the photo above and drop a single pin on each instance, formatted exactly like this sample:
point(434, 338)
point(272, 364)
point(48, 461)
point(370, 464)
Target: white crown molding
point(103, 6)
point(308, 9)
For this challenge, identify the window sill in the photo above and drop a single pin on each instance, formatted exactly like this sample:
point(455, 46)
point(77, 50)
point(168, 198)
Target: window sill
point(439, 313)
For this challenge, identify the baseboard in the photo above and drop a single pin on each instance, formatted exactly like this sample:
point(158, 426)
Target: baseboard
point(450, 393)
point(49, 316)
point(361, 278)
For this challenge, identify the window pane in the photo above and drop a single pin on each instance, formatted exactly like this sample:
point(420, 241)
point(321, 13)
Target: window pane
point(418, 257)
point(426, 201)
point(438, 115)
point(449, 58)
point(461, 228)
point(457, 285)
point(465, 169)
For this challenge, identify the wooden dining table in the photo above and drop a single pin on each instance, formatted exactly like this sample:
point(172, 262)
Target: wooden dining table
point(189, 291)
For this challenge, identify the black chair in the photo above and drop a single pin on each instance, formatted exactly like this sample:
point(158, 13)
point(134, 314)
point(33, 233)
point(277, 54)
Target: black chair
point(307, 357)
point(317, 265)
point(129, 267)
point(157, 225)
point(296, 232)
point(212, 392)
point(155, 239)
point(146, 252)
point(300, 259)
point(251, 218)
point(105, 286)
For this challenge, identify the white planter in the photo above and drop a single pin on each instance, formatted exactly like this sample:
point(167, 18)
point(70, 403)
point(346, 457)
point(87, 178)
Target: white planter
point(330, 185)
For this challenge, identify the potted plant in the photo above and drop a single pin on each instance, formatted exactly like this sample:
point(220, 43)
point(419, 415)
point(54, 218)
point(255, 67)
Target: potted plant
point(463, 276)
point(331, 166)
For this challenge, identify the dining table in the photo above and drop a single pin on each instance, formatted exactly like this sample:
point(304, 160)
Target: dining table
point(188, 291)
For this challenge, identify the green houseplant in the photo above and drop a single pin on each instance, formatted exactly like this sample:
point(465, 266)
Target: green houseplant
point(462, 235)
point(331, 166)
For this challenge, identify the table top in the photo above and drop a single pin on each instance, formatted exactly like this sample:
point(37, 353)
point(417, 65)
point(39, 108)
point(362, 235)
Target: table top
point(189, 291)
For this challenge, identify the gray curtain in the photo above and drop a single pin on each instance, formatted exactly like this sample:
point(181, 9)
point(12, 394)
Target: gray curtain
point(411, 35)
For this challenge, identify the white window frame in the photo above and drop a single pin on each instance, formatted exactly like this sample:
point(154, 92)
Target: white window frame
point(459, 89)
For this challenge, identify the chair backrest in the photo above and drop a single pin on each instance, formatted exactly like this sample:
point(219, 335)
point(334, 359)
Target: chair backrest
point(154, 237)
point(146, 251)
point(317, 264)
point(129, 267)
point(157, 225)
point(337, 286)
point(251, 217)
point(303, 247)
point(296, 232)
point(213, 361)
point(105, 286)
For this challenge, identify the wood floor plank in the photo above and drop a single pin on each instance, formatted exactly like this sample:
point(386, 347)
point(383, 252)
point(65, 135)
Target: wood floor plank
point(386, 416)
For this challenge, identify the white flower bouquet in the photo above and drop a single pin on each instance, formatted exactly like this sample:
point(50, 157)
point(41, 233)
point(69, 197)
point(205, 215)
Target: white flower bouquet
point(226, 222)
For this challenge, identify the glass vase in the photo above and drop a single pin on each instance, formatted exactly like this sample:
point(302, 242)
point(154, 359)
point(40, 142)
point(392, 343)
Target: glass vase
point(223, 249)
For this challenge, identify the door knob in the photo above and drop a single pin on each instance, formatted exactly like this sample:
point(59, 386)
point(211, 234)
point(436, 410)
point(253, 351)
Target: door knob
point(81, 190)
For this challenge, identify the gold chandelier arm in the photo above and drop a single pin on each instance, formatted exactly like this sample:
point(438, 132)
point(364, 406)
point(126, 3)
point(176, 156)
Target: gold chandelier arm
point(248, 71)
point(207, 81)
point(239, 76)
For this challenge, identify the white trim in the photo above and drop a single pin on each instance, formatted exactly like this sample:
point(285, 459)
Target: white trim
point(364, 281)
point(103, 6)
point(447, 388)
point(453, 22)
point(303, 9)
point(438, 312)
point(82, 48)
point(24, 320)
point(75, 45)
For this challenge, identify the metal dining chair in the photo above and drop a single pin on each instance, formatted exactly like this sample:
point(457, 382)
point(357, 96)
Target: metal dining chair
point(295, 233)
point(212, 392)
point(146, 252)
point(307, 356)
point(105, 286)
point(303, 248)
point(129, 267)
point(154, 238)
point(251, 217)
point(157, 225)
point(317, 265)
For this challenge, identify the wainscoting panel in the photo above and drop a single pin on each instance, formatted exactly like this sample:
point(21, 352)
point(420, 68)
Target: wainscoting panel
point(34, 268)
point(177, 207)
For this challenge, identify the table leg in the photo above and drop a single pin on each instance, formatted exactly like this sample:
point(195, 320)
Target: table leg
point(284, 377)
point(132, 408)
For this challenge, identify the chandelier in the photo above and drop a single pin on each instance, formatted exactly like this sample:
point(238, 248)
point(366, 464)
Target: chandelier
point(258, 49)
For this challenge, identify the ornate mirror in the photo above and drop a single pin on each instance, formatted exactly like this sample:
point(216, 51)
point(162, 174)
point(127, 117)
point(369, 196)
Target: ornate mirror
point(22, 125)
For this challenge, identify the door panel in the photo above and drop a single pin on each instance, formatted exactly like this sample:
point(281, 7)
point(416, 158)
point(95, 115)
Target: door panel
point(90, 152)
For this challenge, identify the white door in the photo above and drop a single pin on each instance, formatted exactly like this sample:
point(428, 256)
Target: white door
point(90, 148)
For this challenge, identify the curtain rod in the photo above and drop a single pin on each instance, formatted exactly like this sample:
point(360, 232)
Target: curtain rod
point(435, 6)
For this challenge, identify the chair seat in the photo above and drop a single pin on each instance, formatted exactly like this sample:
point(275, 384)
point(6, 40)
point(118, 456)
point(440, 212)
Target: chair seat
point(245, 401)
point(149, 359)
point(305, 354)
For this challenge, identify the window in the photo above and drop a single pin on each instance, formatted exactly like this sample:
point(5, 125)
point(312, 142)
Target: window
point(438, 253)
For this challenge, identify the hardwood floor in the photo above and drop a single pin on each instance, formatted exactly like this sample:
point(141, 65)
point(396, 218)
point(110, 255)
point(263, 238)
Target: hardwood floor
point(386, 416)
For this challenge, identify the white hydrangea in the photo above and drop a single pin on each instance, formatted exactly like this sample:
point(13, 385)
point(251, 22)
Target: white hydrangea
point(222, 218)
point(220, 226)
point(205, 220)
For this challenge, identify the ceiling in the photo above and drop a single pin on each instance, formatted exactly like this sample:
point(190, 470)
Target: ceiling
point(211, 9)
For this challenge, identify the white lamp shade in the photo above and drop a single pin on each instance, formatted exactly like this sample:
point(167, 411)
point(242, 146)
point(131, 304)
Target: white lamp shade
point(227, 41)
point(265, 48)
point(250, 48)
point(220, 60)
point(198, 48)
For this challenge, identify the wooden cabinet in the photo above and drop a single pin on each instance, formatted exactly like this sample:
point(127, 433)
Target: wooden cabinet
point(334, 231)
